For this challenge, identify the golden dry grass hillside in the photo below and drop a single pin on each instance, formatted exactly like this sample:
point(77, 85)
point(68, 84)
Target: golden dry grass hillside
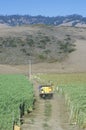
point(51, 48)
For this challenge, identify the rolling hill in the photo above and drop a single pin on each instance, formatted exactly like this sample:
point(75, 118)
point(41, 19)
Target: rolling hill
point(39, 43)
point(73, 20)
point(64, 47)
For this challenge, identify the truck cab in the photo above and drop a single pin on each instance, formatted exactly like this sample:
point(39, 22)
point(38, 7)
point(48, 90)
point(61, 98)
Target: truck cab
point(46, 91)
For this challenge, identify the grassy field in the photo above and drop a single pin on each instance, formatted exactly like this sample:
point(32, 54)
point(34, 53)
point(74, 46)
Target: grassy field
point(73, 87)
point(14, 90)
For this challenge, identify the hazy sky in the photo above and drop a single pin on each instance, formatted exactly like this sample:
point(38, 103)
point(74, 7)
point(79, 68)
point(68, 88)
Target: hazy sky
point(43, 7)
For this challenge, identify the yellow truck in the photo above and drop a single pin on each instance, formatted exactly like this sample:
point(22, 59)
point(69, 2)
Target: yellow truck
point(46, 91)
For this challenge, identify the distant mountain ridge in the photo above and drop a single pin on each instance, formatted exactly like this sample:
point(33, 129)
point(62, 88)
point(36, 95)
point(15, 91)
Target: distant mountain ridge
point(74, 20)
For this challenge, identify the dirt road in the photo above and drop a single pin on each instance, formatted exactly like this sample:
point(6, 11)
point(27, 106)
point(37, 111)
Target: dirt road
point(49, 114)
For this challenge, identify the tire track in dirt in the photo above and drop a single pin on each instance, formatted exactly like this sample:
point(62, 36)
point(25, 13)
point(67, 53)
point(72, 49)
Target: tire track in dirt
point(34, 121)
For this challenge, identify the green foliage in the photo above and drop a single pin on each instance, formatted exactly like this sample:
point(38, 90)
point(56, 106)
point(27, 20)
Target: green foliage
point(48, 110)
point(67, 47)
point(42, 46)
point(14, 90)
point(47, 51)
point(30, 42)
point(42, 57)
point(47, 38)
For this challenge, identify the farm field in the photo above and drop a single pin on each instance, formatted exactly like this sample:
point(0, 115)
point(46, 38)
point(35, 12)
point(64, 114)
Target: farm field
point(73, 87)
point(14, 90)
